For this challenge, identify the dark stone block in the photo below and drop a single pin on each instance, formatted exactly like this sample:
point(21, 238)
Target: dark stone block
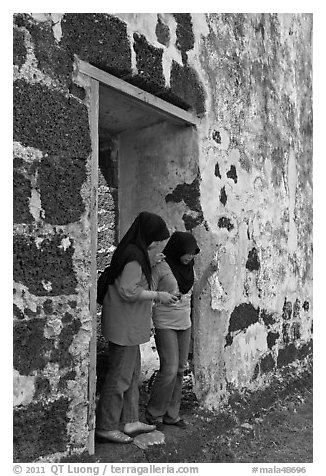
point(287, 310)
point(305, 349)
point(225, 222)
point(21, 195)
point(253, 263)
point(30, 346)
point(191, 222)
point(287, 355)
point(62, 385)
point(217, 137)
point(217, 170)
point(67, 318)
point(77, 91)
point(47, 306)
point(306, 306)
point(286, 332)
point(296, 308)
point(52, 59)
point(49, 121)
point(60, 181)
point(162, 32)
point(228, 340)
point(30, 313)
point(40, 430)
point(223, 196)
point(48, 263)
point(184, 32)
point(61, 354)
point(268, 318)
point(232, 174)
point(42, 388)
point(149, 63)
point(272, 338)
point(168, 96)
point(99, 39)
point(256, 372)
point(296, 330)
point(242, 317)
point(267, 364)
point(189, 193)
point(19, 48)
point(186, 85)
point(17, 312)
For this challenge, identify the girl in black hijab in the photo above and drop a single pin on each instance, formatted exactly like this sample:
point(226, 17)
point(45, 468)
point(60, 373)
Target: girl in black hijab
point(172, 328)
point(126, 316)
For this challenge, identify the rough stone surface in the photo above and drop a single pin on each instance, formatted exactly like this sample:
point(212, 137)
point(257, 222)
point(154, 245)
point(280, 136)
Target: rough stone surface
point(241, 182)
point(145, 440)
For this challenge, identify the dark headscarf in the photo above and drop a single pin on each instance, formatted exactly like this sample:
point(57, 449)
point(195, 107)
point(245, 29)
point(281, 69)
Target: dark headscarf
point(181, 243)
point(146, 228)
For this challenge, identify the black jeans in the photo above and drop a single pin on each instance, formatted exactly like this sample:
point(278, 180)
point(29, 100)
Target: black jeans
point(173, 348)
point(120, 393)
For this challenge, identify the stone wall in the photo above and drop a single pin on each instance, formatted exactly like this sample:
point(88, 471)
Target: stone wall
point(247, 197)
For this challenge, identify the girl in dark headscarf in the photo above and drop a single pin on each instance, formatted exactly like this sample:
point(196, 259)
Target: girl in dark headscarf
point(172, 328)
point(126, 318)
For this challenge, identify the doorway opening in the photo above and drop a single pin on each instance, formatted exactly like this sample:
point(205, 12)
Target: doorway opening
point(138, 142)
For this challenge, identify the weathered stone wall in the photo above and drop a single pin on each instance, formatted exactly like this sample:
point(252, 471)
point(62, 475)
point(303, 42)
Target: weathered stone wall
point(247, 197)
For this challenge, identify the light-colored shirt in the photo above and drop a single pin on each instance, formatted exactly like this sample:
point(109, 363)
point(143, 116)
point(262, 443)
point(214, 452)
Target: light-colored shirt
point(175, 316)
point(125, 319)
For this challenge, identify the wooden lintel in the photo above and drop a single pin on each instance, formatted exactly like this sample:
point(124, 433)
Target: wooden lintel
point(159, 105)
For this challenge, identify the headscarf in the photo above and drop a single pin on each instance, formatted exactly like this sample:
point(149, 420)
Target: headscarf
point(146, 228)
point(181, 243)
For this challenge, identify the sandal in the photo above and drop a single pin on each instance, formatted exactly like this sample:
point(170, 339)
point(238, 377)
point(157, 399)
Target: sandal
point(112, 436)
point(153, 421)
point(179, 423)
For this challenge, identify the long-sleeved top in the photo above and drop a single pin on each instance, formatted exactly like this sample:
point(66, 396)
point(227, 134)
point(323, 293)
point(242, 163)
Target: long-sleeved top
point(126, 320)
point(175, 316)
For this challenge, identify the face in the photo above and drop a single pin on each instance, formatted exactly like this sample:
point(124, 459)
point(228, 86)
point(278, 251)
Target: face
point(187, 258)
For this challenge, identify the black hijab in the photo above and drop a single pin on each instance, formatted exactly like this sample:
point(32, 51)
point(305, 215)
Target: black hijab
point(181, 243)
point(146, 228)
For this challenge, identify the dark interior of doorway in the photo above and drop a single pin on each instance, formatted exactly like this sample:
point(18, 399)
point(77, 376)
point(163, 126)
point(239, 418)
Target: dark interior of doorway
point(117, 114)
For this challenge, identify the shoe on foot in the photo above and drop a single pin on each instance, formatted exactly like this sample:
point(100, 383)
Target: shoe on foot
point(112, 436)
point(137, 427)
point(179, 423)
point(154, 421)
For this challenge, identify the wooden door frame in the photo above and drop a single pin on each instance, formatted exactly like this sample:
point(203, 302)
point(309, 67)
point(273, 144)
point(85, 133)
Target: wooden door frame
point(166, 111)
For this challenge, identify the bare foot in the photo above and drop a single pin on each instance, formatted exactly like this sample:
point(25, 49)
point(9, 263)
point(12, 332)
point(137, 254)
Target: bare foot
point(137, 427)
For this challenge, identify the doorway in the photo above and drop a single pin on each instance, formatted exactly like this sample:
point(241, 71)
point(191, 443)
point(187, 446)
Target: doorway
point(142, 147)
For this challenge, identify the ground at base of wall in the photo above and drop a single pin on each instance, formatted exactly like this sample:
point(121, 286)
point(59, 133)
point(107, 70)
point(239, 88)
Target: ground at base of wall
point(271, 426)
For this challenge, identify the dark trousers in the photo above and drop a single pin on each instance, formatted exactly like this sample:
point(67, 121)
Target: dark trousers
point(173, 348)
point(120, 393)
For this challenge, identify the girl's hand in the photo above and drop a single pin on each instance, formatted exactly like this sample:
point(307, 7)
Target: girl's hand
point(166, 298)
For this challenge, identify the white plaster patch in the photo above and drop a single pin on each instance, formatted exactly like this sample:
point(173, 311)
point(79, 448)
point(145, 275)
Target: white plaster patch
point(53, 326)
point(38, 242)
point(24, 388)
point(242, 356)
point(35, 205)
point(65, 243)
point(292, 185)
point(47, 285)
point(57, 31)
point(42, 17)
